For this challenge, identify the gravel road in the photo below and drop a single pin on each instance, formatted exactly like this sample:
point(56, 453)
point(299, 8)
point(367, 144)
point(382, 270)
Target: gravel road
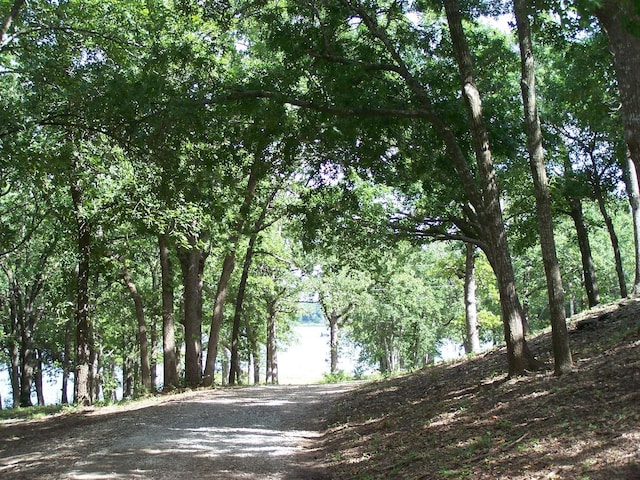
point(240, 433)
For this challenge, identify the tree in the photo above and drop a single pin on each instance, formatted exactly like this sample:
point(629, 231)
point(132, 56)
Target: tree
point(472, 339)
point(560, 338)
point(620, 19)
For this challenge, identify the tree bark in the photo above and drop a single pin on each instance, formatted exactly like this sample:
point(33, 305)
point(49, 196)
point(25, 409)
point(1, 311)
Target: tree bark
point(472, 344)
point(272, 349)
point(255, 352)
point(616, 17)
point(576, 213)
point(170, 360)
point(228, 266)
point(83, 394)
point(237, 317)
point(333, 318)
point(192, 263)
point(613, 237)
point(143, 344)
point(487, 203)
point(39, 379)
point(633, 194)
point(555, 291)
point(9, 19)
point(588, 268)
point(66, 363)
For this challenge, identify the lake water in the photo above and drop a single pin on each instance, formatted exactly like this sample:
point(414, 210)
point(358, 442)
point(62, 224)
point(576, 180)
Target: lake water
point(304, 361)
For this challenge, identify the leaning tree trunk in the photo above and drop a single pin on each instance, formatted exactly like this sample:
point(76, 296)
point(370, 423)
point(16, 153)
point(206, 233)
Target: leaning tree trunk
point(582, 234)
point(170, 360)
point(633, 194)
point(519, 357)
point(228, 266)
point(472, 343)
point(555, 291)
point(234, 375)
point(143, 343)
point(618, 18)
point(479, 184)
point(613, 237)
point(192, 263)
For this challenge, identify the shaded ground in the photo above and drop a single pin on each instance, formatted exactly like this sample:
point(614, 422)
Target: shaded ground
point(242, 433)
point(466, 421)
point(461, 420)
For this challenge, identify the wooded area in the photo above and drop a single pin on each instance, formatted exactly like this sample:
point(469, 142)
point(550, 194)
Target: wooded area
point(179, 177)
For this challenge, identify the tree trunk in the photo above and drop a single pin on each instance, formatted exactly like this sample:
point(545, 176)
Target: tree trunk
point(228, 266)
point(254, 347)
point(555, 291)
point(487, 203)
point(39, 379)
point(143, 344)
point(192, 264)
point(66, 363)
point(588, 268)
point(84, 331)
point(333, 340)
point(237, 317)
point(617, 17)
point(10, 18)
point(633, 194)
point(170, 360)
point(613, 237)
point(472, 344)
point(226, 363)
point(272, 353)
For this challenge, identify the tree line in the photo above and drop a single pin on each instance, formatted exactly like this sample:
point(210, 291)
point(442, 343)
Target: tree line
point(176, 175)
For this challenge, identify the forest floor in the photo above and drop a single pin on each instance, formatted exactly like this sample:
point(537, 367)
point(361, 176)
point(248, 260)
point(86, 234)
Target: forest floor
point(459, 420)
point(466, 420)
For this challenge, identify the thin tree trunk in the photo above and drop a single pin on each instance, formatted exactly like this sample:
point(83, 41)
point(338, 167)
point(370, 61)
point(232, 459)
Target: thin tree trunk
point(254, 347)
point(333, 340)
point(170, 361)
point(613, 237)
point(633, 194)
point(272, 352)
point(588, 268)
point(66, 363)
point(228, 266)
point(555, 291)
point(472, 344)
point(39, 379)
point(519, 357)
point(143, 344)
point(582, 233)
point(10, 18)
point(237, 317)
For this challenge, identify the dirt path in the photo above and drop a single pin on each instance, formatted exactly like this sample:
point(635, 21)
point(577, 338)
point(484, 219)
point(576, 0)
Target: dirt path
point(244, 433)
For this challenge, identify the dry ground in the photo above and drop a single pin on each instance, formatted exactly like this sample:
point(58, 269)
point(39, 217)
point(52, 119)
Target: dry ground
point(465, 420)
point(461, 420)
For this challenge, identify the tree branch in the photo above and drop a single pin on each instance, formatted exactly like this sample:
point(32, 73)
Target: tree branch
point(10, 18)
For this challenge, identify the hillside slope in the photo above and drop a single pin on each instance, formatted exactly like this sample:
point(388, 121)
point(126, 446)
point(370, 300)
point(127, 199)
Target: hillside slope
point(465, 420)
